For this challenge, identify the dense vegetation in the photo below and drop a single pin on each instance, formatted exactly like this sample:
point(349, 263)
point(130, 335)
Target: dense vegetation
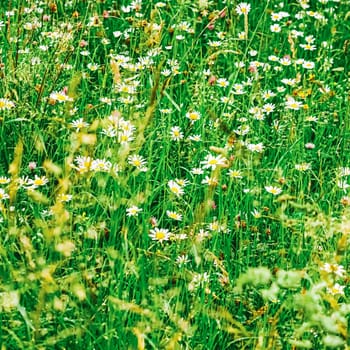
point(174, 175)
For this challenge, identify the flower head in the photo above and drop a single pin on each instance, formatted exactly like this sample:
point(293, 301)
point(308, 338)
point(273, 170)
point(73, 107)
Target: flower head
point(160, 234)
point(273, 189)
point(243, 8)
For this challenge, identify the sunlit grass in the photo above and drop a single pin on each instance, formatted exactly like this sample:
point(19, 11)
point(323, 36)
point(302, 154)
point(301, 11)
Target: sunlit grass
point(174, 175)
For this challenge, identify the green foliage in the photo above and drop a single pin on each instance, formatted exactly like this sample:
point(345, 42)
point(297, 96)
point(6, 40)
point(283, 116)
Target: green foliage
point(174, 175)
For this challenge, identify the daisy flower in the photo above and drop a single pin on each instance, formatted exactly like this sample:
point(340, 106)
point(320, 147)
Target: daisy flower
point(133, 211)
point(293, 104)
point(60, 97)
point(176, 134)
point(137, 161)
point(3, 194)
point(38, 181)
point(174, 215)
point(273, 189)
point(79, 124)
point(175, 188)
point(160, 234)
point(6, 104)
point(193, 116)
point(212, 162)
point(303, 166)
point(243, 8)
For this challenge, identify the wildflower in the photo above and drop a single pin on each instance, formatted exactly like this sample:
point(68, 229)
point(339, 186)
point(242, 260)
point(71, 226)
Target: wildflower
point(3, 194)
point(160, 234)
point(292, 104)
point(309, 145)
point(60, 97)
point(289, 82)
point(38, 181)
point(268, 94)
point(182, 260)
point(311, 119)
point(6, 104)
point(334, 269)
point(216, 43)
point(259, 147)
point(345, 200)
point(336, 289)
point(285, 61)
point(303, 166)
point(273, 189)
point(197, 171)
point(195, 138)
point(243, 8)
point(137, 161)
point(176, 133)
point(173, 215)
point(308, 47)
point(79, 124)
point(93, 67)
point(222, 82)
point(256, 214)
point(182, 182)
point(216, 226)
point(133, 211)
point(4, 180)
point(175, 188)
point(101, 165)
point(275, 28)
point(235, 174)
point(213, 162)
point(308, 65)
point(84, 164)
point(242, 36)
point(62, 197)
point(211, 181)
point(268, 108)
point(193, 116)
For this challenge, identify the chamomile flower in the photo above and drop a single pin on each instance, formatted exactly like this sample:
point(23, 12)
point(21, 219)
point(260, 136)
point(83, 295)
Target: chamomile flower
point(160, 234)
point(3, 194)
point(243, 8)
point(79, 124)
point(176, 134)
point(63, 197)
point(133, 211)
point(38, 181)
point(182, 260)
point(193, 116)
point(175, 188)
point(273, 190)
point(174, 215)
point(303, 166)
point(336, 289)
point(255, 147)
point(101, 165)
point(293, 104)
point(222, 82)
point(60, 97)
point(235, 174)
point(210, 181)
point(213, 162)
point(137, 161)
point(6, 104)
point(335, 269)
point(275, 28)
point(4, 180)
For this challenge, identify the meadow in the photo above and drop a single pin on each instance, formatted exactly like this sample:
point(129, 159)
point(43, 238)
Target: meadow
point(174, 174)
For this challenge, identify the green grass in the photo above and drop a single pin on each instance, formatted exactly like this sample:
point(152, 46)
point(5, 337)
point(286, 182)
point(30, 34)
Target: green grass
point(174, 175)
